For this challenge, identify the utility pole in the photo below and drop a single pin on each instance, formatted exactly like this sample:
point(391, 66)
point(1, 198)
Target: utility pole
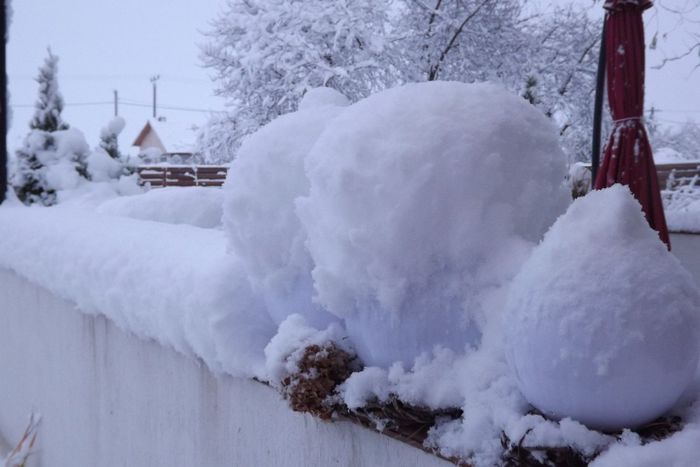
point(3, 105)
point(116, 103)
point(154, 80)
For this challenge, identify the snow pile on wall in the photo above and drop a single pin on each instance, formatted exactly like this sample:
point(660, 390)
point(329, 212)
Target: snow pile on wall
point(264, 231)
point(424, 200)
point(603, 323)
point(196, 206)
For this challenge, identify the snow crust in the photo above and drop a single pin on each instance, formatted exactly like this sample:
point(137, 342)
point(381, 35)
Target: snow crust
point(603, 323)
point(424, 200)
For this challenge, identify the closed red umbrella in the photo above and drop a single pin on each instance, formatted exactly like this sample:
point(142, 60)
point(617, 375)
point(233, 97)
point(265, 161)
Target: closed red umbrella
point(628, 159)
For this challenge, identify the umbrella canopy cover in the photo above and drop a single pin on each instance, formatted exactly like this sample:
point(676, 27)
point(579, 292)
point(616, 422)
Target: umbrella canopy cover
point(628, 158)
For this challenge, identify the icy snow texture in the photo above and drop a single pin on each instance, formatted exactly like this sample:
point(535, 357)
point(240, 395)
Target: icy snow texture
point(259, 214)
point(424, 199)
point(199, 207)
point(602, 322)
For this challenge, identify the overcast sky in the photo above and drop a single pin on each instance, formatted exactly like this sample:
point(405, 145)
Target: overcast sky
point(107, 45)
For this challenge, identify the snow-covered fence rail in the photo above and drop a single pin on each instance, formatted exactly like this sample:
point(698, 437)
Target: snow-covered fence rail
point(158, 176)
point(673, 176)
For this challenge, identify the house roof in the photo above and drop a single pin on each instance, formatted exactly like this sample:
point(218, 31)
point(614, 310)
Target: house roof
point(175, 137)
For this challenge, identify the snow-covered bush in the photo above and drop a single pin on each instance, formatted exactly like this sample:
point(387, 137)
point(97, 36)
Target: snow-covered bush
point(106, 162)
point(602, 322)
point(109, 137)
point(260, 218)
point(48, 162)
point(424, 200)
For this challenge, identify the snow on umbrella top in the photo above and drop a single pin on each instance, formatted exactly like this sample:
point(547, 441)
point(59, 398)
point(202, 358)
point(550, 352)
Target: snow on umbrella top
point(628, 158)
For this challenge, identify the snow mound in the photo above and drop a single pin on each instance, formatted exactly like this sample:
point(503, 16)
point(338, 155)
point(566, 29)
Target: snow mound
point(424, 200)
point(603, 323)
point(320, 97)
point(259, 215)
point(200, 207)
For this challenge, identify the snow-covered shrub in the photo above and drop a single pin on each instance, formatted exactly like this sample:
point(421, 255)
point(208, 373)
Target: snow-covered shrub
point(48, 162)
point(259, 213)
point(109, 137)
point(602, 322)
point(106, 162)
point(424, 201)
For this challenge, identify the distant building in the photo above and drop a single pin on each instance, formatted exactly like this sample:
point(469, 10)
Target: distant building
point(162, 141)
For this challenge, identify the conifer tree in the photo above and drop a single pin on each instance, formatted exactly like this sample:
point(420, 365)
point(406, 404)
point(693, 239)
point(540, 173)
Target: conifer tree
point(48, 142)
point(49, 105)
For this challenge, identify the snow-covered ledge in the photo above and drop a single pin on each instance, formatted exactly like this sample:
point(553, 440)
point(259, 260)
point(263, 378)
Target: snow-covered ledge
point(107, 398)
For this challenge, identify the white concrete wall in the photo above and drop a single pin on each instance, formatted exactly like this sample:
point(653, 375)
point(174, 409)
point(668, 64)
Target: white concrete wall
point(110, 399)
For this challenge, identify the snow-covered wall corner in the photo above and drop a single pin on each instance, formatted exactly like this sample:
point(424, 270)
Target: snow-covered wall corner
point(108, 398)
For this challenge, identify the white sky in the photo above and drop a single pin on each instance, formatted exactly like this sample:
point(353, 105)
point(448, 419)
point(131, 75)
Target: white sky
point(106, 45)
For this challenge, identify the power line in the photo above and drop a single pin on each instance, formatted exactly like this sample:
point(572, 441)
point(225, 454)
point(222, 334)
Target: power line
point(131, 104)
point(73, 104)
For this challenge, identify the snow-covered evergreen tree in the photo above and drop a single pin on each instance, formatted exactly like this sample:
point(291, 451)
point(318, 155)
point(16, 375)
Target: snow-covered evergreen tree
point(49, 105)
point(52, 156)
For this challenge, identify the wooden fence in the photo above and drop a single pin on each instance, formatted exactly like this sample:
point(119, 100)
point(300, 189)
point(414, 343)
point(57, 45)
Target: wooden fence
point(676, 175)
point(671, 176)
point(158, 176)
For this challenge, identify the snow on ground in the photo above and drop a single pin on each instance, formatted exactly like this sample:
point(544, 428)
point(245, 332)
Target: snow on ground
point(196, 206)
point(385, 226)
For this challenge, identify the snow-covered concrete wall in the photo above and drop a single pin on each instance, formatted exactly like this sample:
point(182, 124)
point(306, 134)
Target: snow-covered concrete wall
point(108, 398)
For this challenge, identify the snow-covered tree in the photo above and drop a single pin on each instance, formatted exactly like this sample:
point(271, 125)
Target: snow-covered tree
point(683, 140)
point(266, 53)
point(549, 58)
point(218, 140)
point(562, 53)
point(51, 157)
point(463, 40)
point(49, 105)
point(109, 137)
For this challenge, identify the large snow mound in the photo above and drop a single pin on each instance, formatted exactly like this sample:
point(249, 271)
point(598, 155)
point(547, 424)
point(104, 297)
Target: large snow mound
point(424, 199)
point(603, 323)
point(196, 206)
point(259, 214)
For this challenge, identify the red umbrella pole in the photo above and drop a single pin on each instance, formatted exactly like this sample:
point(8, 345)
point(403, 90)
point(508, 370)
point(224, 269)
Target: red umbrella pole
point(628, 157)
